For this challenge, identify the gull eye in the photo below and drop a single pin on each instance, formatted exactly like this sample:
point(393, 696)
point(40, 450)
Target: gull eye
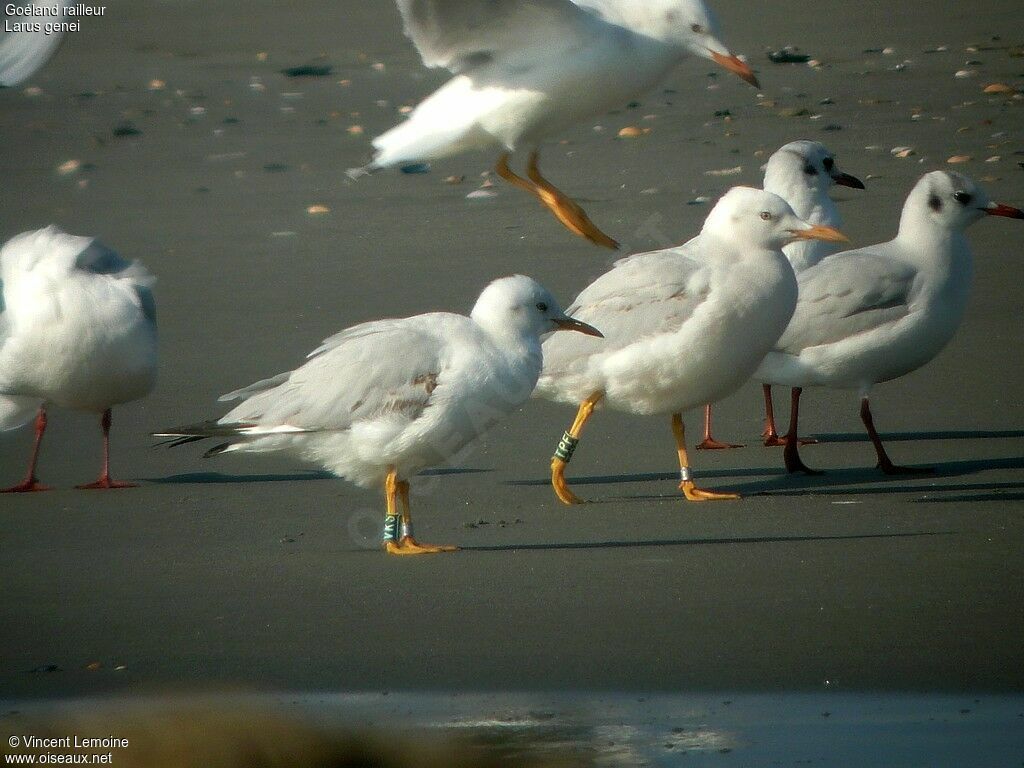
point(828, 162)
point(962, 197)
point(697, 29)
point(766, 215)
point(810, 170)
point(542, 306)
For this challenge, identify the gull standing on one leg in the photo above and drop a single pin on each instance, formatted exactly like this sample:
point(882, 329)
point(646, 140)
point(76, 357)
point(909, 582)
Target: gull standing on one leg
point(528, 69)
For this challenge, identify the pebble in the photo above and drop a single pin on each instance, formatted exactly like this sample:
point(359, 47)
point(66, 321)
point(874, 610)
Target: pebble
point(481, 194)
point(701, 200)
point(156, 85)
point(725, 171)
point(631, 132)
point(902, 151)
point(965, 73)
point(377, 66)
point(998, 88)
point(355, 130)
point(69, 167)
point(993, 159)
point(955, 159)
point(454, 179)
point(317, 210)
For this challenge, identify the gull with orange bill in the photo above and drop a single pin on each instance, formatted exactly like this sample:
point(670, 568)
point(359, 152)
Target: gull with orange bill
point(683, 326)
point(526, 70)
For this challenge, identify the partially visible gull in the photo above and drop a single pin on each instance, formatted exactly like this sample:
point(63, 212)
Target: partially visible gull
point(77, 330)
point(877, 313)
point(529, 69)
point(24, 52)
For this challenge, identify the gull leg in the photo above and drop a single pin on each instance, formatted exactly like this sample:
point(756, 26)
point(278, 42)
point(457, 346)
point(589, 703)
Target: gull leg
point(709, 443)
point(770, 435)
point(398, 538)
point(791, 452)
point(31, 483)
point(686, 485)
point(884, 463)
point(566, 446)
point(566, 210)
point(105, 481)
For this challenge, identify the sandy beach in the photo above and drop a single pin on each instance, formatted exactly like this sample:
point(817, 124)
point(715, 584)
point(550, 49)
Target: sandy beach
point(167, 129)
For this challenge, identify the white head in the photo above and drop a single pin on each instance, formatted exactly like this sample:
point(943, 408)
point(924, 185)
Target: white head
point(951, 202)
point(522, 307)
point(754, 219)
point(805, 166)
point(687, 24)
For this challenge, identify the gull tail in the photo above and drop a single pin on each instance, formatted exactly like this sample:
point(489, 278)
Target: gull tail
point(238, 434)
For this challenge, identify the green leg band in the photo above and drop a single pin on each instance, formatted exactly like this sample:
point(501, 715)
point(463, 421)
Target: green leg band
point(566, 447)
point(390, 528)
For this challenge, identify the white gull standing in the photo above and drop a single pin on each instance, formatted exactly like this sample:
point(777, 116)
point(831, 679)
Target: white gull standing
point(801, 173)
point(77, 330)
point(380, 401)
point(683, 326)
point(877, 313)
point(528, 69)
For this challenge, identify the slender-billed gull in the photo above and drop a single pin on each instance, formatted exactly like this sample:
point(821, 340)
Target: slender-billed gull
point(683, 326)
point(877, 313)
point(801, 173)
point(380, 401)
point(77, 330)
point(528, 69)
point(29, 45)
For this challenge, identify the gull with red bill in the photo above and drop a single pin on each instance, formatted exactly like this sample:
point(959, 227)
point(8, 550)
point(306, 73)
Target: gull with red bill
point(877, 313)
point(529, 69)
point(683, 326)
point(380, 401)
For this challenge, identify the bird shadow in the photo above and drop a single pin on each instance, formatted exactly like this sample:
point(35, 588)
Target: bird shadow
point(836, 482)
point(898, 437)
point(644, 543)
point(216, 478)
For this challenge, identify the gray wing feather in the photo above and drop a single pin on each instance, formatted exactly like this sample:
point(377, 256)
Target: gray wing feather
point(847, 294)
point(641, 296)
point(379, 368)
point(22, 54)
point(462, 34)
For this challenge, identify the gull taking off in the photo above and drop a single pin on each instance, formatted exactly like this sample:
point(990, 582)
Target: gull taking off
point(683, 326)
point(528, 69)
point(801, 173)
point(380, 401)
point(77, 330)
point(877, 313)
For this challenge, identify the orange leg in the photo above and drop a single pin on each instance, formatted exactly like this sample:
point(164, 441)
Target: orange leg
point(709, 443)
point(791, 441)
point(401, 541)
point(770, 435)
point(105, 482)
point(686, 485)
point(565, 209)
point(566, 446)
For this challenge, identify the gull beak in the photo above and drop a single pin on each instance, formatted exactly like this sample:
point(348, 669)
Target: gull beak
point(572, 324)
point(998, 209)
point(735, 65)
point(846, 180)
point(828, 234)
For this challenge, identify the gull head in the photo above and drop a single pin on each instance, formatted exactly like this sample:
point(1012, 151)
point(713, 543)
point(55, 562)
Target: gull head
point(806, 165)
point(692, 24)
point(522, 307)
point(953, 201)
point(752, 218)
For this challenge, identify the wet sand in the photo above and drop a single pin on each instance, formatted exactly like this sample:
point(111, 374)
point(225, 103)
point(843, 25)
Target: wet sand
point(257, 571)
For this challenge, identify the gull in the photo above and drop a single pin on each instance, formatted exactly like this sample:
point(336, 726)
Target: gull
point(23, 52)
point(683, 326)
point(801, 173)
point(528, 69)
point(77, 330)
point(877, 313)
point(380, 401)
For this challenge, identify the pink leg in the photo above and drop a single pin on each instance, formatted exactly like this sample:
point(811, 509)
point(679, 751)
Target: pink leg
point(709, 443)
point(105, 482)
point(770, 435)
point(790, 453)
point(31, 484)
